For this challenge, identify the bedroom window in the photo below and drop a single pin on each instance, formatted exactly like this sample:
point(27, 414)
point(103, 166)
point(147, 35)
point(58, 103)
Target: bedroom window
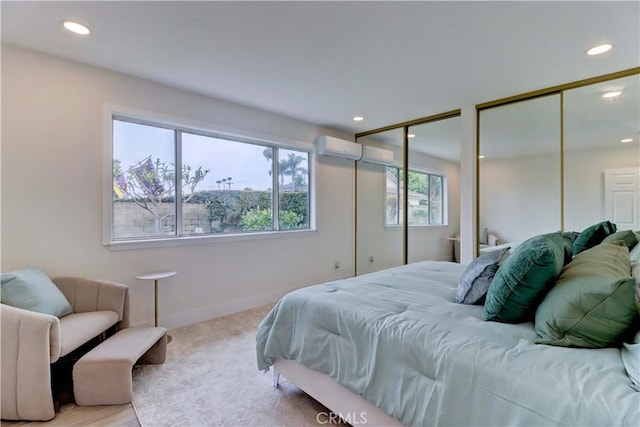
point(426, 200)
point(224, 186)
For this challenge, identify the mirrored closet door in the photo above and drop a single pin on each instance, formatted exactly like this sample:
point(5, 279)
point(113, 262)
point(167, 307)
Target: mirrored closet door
point(601, 124)
point(560, 159)
point(379, 204)
point(392, 229)
point(519, 170)
point(434, 190)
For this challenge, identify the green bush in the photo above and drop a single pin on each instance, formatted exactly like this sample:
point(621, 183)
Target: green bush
point(256, 220)
point(229, 208)
point(289, 220)
point(260, 220)
point(298, 202)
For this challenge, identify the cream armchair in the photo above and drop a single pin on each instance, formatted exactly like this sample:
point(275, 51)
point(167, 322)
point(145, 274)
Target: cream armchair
point(32, 341)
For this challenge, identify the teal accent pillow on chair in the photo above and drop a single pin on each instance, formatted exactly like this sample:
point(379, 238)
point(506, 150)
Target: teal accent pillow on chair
point(593, 303)
point(592, 236)
point(524, 278)
point(31, 289)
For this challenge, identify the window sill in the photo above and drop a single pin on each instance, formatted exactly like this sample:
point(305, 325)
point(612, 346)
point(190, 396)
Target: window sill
point(204, 240)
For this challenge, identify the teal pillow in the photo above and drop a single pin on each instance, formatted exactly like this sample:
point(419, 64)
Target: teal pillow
point(592, 236)
point(32, 290)
point(593, 303)
point(628, 237)
point(523, 279)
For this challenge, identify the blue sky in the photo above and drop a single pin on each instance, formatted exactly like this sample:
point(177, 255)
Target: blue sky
point(244, 163)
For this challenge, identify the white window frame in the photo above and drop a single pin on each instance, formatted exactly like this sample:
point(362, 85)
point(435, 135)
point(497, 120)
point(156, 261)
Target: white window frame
point(115, 112)
point(445, 199)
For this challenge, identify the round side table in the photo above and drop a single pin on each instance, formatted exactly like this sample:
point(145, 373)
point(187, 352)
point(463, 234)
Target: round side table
point(155, 276)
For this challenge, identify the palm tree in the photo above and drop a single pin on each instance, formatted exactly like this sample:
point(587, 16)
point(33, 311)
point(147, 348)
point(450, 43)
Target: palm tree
point(268, 154)
point(292, 167)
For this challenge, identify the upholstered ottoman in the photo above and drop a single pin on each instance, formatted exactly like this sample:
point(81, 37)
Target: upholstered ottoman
point(103, 375)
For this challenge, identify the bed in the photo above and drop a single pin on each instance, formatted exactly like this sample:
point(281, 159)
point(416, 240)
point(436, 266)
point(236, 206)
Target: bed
point(396, 343)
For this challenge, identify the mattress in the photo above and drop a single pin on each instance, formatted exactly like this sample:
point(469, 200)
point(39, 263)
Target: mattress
point(397, 339)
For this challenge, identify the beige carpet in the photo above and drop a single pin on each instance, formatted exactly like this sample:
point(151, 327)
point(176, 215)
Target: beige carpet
point(211, 378)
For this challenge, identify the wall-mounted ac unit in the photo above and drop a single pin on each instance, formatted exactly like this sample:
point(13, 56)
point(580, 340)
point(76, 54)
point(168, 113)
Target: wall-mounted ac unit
point(377, 155)
point(329, 146)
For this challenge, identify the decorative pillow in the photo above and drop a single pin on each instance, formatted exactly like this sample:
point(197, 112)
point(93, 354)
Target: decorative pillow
point(634, 253)
point(524, 278)
point(593, 303)
point(592, 236)
point(478, 275)
point(32, 290)
point(628, 237)
point(571, 236)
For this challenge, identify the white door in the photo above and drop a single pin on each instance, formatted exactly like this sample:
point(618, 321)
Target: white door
point(622, 197)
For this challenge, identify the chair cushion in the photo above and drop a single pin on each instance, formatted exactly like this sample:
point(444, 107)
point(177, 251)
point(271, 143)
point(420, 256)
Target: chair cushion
point(78, 328)
point(31, 289)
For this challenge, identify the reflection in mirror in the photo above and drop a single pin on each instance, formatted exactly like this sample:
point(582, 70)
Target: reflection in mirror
point(600, 140)
point(379, 236)
point(434, 190)
point(519, 171)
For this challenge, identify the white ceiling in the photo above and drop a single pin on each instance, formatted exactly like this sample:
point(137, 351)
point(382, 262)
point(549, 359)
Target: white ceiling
point(324, 62)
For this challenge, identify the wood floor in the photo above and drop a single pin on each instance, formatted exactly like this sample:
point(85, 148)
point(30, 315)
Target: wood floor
point(71, 415)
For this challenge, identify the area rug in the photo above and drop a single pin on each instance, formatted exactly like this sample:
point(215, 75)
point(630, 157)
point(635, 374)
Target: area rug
point(211, 378)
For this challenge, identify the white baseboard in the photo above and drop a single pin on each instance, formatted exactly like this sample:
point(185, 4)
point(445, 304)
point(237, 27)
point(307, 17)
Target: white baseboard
point(218, 310)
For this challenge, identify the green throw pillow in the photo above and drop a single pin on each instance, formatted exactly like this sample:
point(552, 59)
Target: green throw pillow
point(592, 236)
point(593, 303)
point(628, 237)
point(524, 278)
point(32, 290)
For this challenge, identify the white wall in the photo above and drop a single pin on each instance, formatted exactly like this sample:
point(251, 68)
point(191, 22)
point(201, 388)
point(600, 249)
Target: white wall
point(52, 183)
point(584, 182)
point(520, 197)
point(468, 183)
point(384, 243)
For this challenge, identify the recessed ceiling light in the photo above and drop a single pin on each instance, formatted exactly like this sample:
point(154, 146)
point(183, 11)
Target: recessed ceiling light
point(601, 48)
point(358, 118)
point(75, 27)
point(411, 135)
point(481, 156)
point(612, 94)
point(626, 140)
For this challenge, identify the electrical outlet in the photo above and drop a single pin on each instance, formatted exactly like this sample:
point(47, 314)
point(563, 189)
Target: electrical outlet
point(372, 259)
point(336, 265)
